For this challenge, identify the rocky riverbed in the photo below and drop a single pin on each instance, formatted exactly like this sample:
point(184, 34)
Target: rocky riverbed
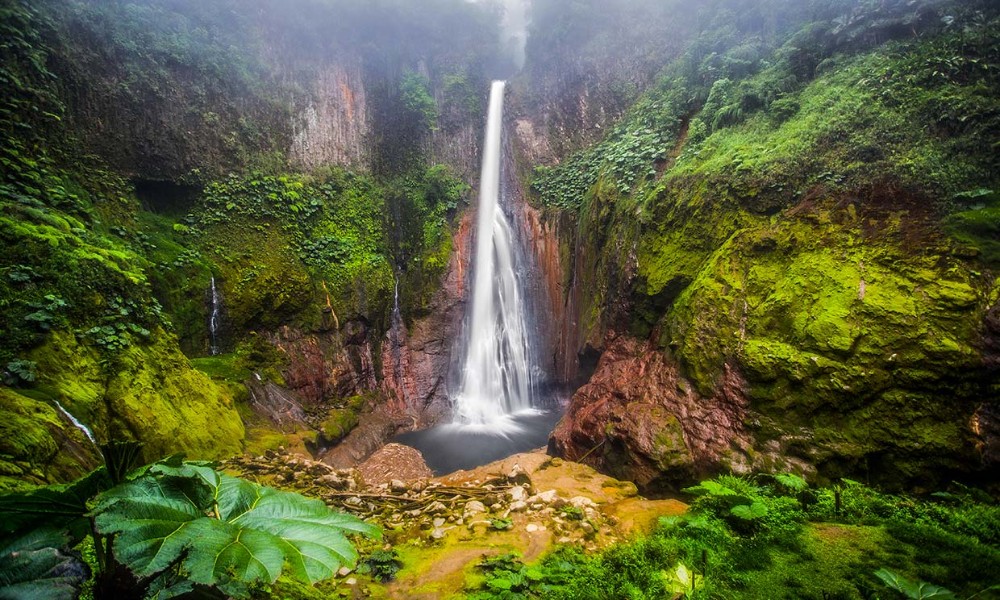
point(442, 527)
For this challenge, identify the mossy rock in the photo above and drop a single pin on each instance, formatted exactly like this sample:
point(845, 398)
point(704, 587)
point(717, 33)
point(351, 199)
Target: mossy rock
point(835, 330)
point(149, 393)
point(340, 421)
point(39, 446)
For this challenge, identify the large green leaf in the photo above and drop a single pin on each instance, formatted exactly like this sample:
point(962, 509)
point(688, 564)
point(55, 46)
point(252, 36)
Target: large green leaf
point(38, 565)
point(223, 531)
point(792, 482)
point(915, 590)
point(749, 512)
point(710, 488)
point(53, 507)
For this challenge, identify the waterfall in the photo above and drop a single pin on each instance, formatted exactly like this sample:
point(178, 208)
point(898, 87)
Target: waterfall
point(213, 321)
point(496, 379)
point(76, 423)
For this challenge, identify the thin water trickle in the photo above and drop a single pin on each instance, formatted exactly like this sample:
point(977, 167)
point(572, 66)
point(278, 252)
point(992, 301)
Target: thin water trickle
point(213, 321)
point(496, 378)
point(76, 423)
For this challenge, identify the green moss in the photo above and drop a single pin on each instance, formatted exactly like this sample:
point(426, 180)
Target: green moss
point(37, 445)
point(669, 449)
point(149, 393)
point(225, 367)
point(834, 329)
point(340, 421)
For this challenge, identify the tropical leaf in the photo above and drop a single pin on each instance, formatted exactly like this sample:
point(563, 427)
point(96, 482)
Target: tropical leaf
point(710, 488)
point(37, 565)
point(915, 590)
point(749, 512)
point(792, 482)
point(223, 531)
point(52, 507)
point(120, 457)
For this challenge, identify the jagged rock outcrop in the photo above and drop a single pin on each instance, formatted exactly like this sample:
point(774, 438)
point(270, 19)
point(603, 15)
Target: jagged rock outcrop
point(640, 420)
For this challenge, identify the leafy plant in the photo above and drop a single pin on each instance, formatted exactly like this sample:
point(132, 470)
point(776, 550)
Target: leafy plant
point(915, 590)
point(202, 527)
point(501, 524)
point(20, 371)
point(681, 580)
point(793, 483)
point(749, 512)
point(178, 526)
point(382, 565)
point(574, 513)
point(38, 564)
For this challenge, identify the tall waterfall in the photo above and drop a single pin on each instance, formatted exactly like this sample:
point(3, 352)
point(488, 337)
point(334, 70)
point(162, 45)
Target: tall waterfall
point(496, 377)
point(213, 321)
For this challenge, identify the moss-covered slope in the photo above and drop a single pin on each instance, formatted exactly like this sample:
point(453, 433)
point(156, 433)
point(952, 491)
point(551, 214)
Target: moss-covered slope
point(819, 218)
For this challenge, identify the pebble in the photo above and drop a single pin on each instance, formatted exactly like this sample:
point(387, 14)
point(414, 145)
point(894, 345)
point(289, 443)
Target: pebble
point(344, 572)
point(438, 522)
point(547, 496)
point(474, 507)
point(438, 533)
point(517, 494)
point(397, 486)
point(518, 506)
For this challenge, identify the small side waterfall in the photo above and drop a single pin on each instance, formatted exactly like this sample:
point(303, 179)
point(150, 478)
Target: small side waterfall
point(496, 376)
point(213, 321)
point(76, 423)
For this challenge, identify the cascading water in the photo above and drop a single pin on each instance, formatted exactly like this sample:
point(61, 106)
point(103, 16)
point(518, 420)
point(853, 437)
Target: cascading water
point(213, 321)
point(496, 411)
point(496, 377)
point(76, 423)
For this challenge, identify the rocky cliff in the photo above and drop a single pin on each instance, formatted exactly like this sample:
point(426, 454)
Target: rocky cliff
point(778, 257)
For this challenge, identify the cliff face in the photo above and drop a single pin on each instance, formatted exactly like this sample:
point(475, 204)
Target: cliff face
point(333, 127)
point(789, 293)
point(283, 156)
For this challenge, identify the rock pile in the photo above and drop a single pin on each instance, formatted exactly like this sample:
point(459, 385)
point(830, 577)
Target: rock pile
point(432, 510)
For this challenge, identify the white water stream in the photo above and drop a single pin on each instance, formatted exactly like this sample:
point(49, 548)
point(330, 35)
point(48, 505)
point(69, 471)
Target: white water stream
point(76, 423)
point(496, 378)
point(213, 321)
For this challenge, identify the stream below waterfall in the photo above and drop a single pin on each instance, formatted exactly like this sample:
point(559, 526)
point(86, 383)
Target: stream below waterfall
point(451, 447)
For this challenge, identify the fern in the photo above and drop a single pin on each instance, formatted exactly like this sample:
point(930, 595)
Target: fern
point(184, 523)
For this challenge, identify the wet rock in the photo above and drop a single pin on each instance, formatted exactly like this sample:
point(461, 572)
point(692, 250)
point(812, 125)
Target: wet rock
point(517, 494)
point(472, 508)
point(518, 506)
point(546, 497)
point(649, 430)
point(436, 508)
point(392, 465)
point(517, 476)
